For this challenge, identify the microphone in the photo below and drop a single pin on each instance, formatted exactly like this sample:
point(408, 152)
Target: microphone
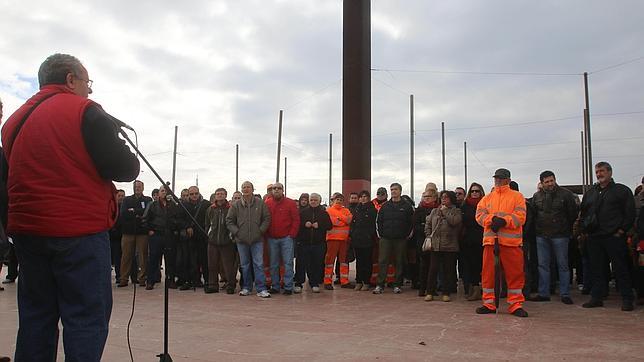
point(120, 123)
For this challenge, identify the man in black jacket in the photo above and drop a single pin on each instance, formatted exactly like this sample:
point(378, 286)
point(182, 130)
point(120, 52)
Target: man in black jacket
point(555, 212)
point(607, 213)
point(394, 226)
point(193, 252)
point(135, 236)
point(311, 244)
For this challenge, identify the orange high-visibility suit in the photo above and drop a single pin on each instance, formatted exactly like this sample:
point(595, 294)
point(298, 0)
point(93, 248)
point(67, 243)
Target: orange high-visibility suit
point(337, 243)
point(510, 206)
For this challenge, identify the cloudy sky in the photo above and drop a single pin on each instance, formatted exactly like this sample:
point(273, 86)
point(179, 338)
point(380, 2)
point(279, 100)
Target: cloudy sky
point(222, 70)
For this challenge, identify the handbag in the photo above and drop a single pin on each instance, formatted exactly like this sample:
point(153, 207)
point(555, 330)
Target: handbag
point(427, 244)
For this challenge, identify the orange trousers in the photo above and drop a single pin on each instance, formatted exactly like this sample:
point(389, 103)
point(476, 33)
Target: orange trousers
point(512, 264)
point(336, 248)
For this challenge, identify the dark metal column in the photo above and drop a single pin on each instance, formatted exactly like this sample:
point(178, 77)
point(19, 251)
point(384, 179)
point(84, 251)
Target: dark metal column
point(356, 96)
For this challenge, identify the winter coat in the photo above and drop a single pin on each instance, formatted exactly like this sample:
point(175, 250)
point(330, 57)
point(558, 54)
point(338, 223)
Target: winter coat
point(447, 224)
point(555, 212)
point(472, 234)
point(311, 235)
point(198, 212)
point(162, 218)
point(394, 220)
point(131, 221)
point(218, 233)
point(285, 218)
point(363, 226)
point(508, 205)
point(420, 215)
point(604, 211)
point(341, 220)
point(248, 221)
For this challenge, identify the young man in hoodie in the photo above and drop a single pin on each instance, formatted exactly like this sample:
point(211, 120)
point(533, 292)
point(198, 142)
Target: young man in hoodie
point(221, 250)
point(285, 223)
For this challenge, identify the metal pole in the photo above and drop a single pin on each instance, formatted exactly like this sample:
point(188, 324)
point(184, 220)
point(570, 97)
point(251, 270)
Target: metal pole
point(285, 175)
point(465, 162)
point(330, 163)
point(279, 147)
point(584, 169)
point(174, 158)
point(237, 167)
point(411, 145)
point(443, 142)
point(589, 147)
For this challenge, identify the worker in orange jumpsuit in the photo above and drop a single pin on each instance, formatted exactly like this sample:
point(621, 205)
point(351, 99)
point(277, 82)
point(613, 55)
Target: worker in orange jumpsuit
point(337, 242)
point(502, 214)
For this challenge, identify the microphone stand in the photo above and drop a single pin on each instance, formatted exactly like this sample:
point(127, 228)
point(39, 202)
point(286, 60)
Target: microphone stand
point(163, 357)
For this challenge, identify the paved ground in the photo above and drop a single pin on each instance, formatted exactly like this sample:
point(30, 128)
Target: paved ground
point(344, 324)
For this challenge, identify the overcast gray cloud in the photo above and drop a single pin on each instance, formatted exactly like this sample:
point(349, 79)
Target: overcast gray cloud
point(222, 70)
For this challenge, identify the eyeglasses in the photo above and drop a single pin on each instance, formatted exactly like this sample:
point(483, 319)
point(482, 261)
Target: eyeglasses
point(88, 81)
point(193, 193)
point(477, 191)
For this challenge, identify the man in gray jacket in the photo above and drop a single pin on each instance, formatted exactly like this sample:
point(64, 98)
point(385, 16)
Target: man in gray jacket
point(248, 219)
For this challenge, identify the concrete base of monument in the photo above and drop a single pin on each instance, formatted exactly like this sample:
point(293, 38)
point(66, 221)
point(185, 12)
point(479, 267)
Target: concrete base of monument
point(353, 325)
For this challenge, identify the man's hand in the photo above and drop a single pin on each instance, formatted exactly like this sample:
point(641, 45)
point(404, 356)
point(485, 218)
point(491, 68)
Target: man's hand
point(151, 232)
point(190, 232)
point(497, 223)
point(308, 224)
point(315, 225)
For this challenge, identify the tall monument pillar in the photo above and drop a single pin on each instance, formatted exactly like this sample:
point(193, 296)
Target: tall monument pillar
point(356, 96)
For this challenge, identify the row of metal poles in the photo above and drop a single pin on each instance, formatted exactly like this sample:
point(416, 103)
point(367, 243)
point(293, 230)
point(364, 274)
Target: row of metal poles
point(586, 151)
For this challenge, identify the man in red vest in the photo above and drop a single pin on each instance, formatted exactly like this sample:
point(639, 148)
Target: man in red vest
point(66, 143)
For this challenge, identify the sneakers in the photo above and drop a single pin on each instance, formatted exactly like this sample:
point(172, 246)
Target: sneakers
point(121, 285)
point(149, 286)
point(446, 298)
point(287, 292)
point(365, 288)
point(520, 313)
point(230, 290)
point(485, 310)
point(358, 286)
point(539, 298)
point(297, 289)
point(274, 291)
point(328, 286)
point(315, 289)
point(593, 304)
point(397, 290)
point(377, 290)
point(8, 281)
point(347, 286)
point(566, 300)
point(264, 294)
point(244, 292)
point(429, 297)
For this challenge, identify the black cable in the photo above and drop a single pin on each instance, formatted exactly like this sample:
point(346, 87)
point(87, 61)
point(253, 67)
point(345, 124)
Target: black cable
point(129, 322)
point(471, 72)
point(617, 65)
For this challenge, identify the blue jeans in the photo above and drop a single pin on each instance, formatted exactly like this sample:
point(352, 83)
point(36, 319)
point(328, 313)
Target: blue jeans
point(281, 250)
point(545, 246)
point(67, 279)
point(253, 253)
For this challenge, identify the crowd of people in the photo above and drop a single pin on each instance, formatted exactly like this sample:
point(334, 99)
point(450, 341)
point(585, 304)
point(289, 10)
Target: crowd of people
point(60, 140)
point(279, 245)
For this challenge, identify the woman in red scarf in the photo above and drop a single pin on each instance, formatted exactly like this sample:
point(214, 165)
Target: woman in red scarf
point(471, 248)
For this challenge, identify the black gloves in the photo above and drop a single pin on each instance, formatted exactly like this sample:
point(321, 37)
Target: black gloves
point(497, 223)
